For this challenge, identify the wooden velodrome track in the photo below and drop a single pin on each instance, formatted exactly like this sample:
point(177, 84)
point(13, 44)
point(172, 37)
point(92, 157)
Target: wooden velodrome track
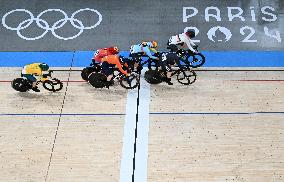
point(228, 126)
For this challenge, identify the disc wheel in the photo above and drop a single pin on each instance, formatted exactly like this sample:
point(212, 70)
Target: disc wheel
point(153, 77)
point(85, 72)
point(186, 77)
point(97, 80)
point(196, 60)
point(53, 85)
point(21, 85)
point(129, 82)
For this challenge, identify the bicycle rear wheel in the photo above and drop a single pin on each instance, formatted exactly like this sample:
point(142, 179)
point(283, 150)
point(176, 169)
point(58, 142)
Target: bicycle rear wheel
point(97, 80)
point(21, 85)
point(153, 77)
point(86, 72)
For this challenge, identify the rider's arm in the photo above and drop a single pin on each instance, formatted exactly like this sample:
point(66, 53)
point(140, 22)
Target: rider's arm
point(153, 50)
point(119, 66)
point(189, 43)
point(148, 53)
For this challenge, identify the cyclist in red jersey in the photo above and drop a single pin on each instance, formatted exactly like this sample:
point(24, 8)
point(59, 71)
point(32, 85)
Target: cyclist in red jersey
point(108, 65)
point(100, 53)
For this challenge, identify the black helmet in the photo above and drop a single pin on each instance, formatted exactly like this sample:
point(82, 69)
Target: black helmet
point(44, 66)
point(190, 33)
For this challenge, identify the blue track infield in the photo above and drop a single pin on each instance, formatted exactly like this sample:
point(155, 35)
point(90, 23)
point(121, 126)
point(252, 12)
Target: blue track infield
point(83, 58)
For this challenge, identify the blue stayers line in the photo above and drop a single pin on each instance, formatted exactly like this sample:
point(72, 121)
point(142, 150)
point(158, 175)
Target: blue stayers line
point(83, 58)
point(212, 113)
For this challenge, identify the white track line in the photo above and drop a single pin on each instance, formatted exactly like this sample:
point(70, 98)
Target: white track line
point(140, 174)
point(126, 166)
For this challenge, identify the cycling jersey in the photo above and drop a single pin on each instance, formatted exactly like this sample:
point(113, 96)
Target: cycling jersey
point(168, 59)
point(180, 39)
point(114, 59)
point(32, 69)
point(100, 53)
point(144, 47)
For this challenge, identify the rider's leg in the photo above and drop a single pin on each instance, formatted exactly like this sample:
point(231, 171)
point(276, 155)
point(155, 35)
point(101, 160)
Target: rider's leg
point(168, 72)
point(33, 80)
point(109, 81)
point(109, 73)
point(169, 79)
point(34, 84)
point(137, 60)
point(109, 77)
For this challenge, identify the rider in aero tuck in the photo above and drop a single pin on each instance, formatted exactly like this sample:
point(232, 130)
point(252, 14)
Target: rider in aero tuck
point(108, 64)
point(143, 48)
point(182, 38)
point(169, 59)
point(35, 69)
point(100, 53)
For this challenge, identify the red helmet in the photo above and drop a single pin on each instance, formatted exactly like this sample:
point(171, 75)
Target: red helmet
point(113, 50)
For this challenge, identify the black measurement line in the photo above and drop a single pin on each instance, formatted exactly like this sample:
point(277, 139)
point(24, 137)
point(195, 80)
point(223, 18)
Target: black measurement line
point(59, 120)
point(136, 132)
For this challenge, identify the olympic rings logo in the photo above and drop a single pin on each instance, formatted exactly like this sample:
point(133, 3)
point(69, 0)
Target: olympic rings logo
point(41, 23)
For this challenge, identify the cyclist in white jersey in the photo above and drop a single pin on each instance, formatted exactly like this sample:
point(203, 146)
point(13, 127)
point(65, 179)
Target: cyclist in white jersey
point(183, 38)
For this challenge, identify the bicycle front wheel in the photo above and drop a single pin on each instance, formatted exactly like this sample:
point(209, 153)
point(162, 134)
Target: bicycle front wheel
point(53, 85)
point(186, 77)
point(195, 60)
point(129, 82)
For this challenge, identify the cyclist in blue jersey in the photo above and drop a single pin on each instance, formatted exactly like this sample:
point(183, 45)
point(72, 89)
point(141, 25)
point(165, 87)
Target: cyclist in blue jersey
point(144, 48)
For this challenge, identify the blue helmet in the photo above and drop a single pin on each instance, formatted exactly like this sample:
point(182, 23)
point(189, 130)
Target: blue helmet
point(44, 67)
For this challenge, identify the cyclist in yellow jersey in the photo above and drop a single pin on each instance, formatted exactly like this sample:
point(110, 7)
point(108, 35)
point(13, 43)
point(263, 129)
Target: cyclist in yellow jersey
point(35, 69)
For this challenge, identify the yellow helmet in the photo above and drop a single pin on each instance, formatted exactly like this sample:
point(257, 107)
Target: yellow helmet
point(155, 44)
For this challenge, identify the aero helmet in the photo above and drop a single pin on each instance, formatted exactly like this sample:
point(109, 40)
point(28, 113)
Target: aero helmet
point(155, 44)
point(190, 33)
point(114, 50)
point(44, 67)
